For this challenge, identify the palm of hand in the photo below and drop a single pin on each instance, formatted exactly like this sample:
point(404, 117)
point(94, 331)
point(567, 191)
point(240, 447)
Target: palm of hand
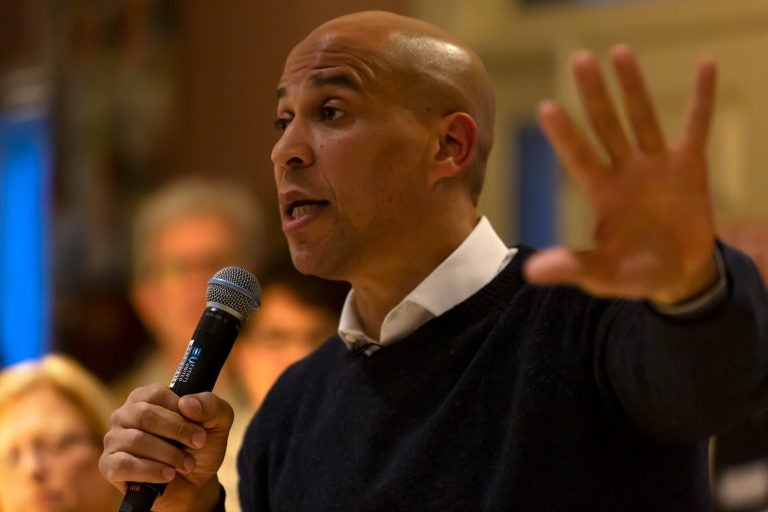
point(653, 231)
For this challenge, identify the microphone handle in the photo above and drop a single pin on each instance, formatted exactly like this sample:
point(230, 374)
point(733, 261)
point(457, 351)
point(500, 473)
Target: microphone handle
point(199, 368)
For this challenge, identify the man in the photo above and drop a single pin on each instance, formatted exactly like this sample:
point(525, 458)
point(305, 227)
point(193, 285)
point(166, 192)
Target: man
point(183, 234)
point(455, 384)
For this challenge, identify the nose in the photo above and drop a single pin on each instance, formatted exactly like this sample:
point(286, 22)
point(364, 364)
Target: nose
point(293, 150)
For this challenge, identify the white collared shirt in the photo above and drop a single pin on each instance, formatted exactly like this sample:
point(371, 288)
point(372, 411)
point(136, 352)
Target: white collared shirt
point(471, 266)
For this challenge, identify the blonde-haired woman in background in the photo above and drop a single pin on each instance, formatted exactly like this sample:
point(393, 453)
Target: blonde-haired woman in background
point(53, 416)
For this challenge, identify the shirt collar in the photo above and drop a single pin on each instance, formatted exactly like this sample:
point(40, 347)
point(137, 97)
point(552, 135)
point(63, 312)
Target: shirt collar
point(471, 266)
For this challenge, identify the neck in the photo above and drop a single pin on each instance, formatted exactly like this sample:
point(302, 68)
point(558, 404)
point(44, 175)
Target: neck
point(379, 290)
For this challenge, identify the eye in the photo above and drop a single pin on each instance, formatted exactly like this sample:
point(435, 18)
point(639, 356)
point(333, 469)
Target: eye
point(281, 123)
point(328, 113)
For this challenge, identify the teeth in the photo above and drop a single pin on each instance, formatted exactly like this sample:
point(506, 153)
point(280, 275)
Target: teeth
point(302, 210)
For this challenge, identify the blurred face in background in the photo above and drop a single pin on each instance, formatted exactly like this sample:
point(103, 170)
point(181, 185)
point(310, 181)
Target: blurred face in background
point(170, 296)
point(49, 457)
point(282, 331)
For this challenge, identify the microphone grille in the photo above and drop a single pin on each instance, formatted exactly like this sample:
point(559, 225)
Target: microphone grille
point(235, 289)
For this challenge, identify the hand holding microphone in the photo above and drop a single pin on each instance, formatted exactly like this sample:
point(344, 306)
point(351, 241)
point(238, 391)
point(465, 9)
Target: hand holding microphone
point(158, 438)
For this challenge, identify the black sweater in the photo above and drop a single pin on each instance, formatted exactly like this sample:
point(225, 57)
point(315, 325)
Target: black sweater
point(519, 398)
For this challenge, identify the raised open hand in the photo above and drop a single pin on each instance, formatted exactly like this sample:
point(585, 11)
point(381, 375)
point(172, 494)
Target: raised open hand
point(653, 230)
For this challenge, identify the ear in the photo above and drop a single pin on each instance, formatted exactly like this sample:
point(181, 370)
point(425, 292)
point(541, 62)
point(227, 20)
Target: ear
point(457, 134)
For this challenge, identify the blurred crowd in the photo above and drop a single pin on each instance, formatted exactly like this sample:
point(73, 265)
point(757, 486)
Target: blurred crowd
point(183, 233)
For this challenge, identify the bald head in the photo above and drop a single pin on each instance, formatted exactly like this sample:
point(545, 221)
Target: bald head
point(432, 72)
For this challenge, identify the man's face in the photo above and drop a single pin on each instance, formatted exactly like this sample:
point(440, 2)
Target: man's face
point(350, 164)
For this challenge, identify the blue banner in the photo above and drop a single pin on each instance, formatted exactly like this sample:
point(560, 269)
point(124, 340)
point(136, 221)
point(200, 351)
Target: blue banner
point(25, 163)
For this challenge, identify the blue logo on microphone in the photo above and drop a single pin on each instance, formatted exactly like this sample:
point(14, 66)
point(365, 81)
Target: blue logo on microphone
point(188, 363)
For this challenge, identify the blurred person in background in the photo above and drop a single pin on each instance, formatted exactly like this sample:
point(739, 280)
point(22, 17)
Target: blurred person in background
point(298, 312)
point(53, 417)
point(183, 234)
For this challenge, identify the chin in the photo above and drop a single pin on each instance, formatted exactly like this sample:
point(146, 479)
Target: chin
point(304, 263)
point(310, 263)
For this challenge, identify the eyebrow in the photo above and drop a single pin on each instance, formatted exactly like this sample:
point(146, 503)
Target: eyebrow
point(321, 79)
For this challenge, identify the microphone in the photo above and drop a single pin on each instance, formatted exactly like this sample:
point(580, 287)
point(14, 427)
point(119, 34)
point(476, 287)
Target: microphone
point(232, 295)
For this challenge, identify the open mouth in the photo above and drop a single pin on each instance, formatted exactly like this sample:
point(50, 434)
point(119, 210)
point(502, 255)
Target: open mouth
point(298, 209)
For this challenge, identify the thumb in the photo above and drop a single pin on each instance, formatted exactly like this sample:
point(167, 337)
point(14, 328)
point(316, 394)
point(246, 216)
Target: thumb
point(207, 409)
point(557, 265)
point(215, 416)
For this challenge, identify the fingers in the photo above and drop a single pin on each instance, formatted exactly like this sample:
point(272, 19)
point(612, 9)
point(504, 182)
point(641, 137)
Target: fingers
point(601, 112)
point(120, 467)
point(650, 206)
point(154, 410)
point(639, 107)
point(637, 100)
point(700, 111)
point(572, 147)
point(598, 106)
point(156, 435)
